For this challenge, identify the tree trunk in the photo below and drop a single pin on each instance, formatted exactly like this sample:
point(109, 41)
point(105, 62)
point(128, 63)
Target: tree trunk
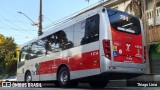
point(136, 8)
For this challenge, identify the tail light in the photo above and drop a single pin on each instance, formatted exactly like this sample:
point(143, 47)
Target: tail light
point(145, 54)
point(107, 49)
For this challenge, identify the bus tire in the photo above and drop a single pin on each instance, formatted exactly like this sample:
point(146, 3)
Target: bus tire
point(96, 84)
point(28, 77)
point(64, 78)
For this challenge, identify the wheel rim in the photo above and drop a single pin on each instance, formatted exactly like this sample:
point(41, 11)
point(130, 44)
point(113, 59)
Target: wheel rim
point(28, 78)
point(64, 77)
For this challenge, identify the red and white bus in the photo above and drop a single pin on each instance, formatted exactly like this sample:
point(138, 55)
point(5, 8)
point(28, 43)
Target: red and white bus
point(97, 42)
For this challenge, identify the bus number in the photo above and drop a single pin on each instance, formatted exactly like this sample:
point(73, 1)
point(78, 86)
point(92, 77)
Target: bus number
point(124, 17)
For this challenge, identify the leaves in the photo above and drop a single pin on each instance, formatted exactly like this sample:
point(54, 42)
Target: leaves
point(158, 47)
point(1, 39)
point(7, 54)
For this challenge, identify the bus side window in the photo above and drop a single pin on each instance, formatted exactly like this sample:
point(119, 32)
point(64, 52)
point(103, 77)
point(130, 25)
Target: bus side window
point(79, 31)
point(62, 39)
point(32, 53)
point(91, 30)
point(22, 56)
point(69, 37)
point(53, 43)
point(47, 45)
point(27, 57)
point(40, 48)
point(28, 50)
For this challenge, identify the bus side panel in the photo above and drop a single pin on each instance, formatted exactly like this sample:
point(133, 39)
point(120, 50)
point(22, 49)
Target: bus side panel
point(89, 61)
point(81, 61)
point(49, 65)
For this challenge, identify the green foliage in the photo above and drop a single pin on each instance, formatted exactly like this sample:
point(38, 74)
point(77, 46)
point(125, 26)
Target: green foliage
point(158, 47)
point(11, 66)
point(7, 55)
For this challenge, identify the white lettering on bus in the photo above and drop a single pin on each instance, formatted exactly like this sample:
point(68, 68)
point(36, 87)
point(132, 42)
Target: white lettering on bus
point(128, 47)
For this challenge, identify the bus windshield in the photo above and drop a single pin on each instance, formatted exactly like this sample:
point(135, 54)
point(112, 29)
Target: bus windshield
point(124, 22)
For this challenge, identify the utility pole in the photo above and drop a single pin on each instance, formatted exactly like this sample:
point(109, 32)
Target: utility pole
point(145, 25)
point(39, 24)
point(40, 20)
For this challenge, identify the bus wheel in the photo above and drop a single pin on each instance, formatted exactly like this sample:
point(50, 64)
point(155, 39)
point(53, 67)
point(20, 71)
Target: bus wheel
point(63, 77)
point(100, 84)
point(28, 77)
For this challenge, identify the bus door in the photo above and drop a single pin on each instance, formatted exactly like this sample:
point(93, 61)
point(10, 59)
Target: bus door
point(20, 67)
point(28, 61)
point(126, 39)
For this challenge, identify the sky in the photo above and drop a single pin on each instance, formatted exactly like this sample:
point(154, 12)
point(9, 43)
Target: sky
point(13, 24)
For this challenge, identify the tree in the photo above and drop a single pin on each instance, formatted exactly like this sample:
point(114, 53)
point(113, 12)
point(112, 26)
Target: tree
point(158, 47)
point(2, 65)
point(7, 55)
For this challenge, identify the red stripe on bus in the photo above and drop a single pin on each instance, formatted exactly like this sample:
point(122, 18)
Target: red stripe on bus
point(88, 60)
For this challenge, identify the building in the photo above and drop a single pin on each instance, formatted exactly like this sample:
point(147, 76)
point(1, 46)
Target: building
point(149, 12)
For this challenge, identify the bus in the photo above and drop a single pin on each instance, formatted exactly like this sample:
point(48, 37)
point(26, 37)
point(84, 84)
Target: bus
point(96, 45)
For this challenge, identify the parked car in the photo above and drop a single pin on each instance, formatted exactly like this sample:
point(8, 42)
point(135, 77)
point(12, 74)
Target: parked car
point(10, 79)
point(0, 82)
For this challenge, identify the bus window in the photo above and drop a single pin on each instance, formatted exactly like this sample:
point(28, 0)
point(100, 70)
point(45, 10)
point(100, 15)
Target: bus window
point(91, 30)
point(34, 50)
point(28, 51)
point(69, 37)
point(124, 22)
point(53, 43)
point(79, 32)
point(62, 37)
point(47, 45)
point(40, 48)
point(22, 56)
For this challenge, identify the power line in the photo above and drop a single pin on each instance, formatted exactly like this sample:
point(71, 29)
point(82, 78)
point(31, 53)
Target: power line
point(17, 28)
point(9, 14)
point(14, 28)
point(11, 22)
point(69, 17)
point(48, 19)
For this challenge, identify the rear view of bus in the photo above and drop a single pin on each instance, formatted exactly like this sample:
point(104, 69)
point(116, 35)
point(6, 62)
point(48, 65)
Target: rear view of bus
point(123, 49)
